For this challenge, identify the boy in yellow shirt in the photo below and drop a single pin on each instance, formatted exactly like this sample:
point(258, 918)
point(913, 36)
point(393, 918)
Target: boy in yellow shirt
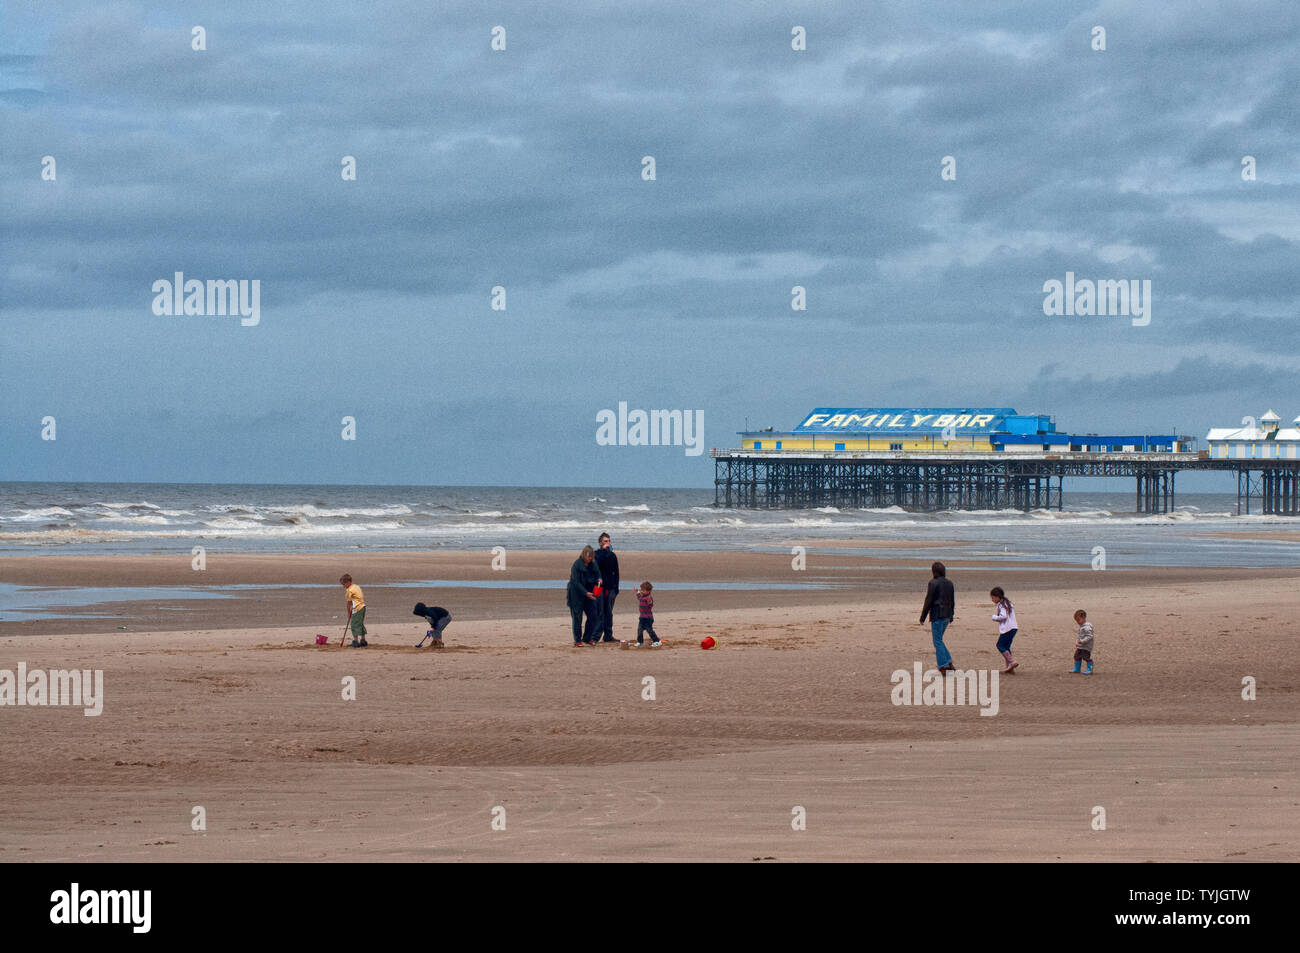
point(356, 612)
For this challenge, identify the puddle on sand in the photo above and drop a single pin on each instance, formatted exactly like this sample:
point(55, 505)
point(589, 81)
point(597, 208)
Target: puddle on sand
point(23, 603)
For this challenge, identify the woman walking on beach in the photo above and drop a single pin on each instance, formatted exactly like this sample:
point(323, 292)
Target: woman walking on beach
point(1004, 614)
point(581, 598)
point(940, 606)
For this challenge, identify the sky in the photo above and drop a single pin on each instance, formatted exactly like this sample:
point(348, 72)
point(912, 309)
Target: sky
point(523, 169)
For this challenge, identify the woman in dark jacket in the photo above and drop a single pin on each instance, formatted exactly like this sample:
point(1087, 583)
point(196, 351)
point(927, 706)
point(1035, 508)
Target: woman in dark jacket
point(940, 605)
point(581, 599)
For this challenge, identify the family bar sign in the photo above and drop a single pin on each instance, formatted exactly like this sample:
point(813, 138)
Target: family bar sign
point(903, 419)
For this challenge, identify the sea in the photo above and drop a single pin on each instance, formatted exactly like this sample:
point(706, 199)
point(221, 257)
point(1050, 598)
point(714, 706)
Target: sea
point(115, 518)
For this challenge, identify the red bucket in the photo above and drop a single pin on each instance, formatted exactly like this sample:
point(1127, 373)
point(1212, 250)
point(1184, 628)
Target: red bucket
point(321, 640)
point(707, 642)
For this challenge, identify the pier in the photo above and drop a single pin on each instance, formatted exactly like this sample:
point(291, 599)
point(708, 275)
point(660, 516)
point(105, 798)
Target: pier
point(966, 480)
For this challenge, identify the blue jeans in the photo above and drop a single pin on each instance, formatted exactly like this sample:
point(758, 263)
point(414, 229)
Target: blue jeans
point(646, 625)
point(606, 624)
point(1004, 640)
point(937, 627)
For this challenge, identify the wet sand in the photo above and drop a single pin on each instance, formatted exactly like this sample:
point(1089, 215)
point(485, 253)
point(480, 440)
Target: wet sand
point(1277, 535)
point(302, 590)
point(243, 716)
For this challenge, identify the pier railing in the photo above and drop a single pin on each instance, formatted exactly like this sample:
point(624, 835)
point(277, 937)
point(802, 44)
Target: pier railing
point(959, 456)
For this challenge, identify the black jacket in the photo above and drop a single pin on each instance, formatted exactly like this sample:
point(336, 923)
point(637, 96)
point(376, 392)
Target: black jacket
point(433, 613)
point(940, 599)
point(582, 579)
point(608, 565)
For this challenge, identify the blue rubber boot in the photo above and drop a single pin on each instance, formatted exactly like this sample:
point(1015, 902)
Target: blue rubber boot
point(1089, 672)
point(1075, 670)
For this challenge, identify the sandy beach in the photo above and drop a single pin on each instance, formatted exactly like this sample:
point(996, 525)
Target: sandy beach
point(227, 705)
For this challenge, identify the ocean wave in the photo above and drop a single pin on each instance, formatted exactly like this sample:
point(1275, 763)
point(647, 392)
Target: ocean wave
point(324, 512)
point(285, 530)
point(41, 513)
point(305, 510)
point(149, 519)
point(233, 508)
point(55, 537)
point(745, 523)
point(292, 519)
point(230, 522)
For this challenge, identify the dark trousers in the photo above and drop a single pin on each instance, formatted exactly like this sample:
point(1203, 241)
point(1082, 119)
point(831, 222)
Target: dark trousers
point(585, 633)
point(646, 625)
point(605, 623)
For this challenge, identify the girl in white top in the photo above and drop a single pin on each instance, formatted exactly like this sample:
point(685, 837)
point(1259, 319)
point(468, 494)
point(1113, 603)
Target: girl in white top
point(1004, 614)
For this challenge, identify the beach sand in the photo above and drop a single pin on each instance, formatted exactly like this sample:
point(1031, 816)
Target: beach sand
point(227, 705)
point(1271, 536)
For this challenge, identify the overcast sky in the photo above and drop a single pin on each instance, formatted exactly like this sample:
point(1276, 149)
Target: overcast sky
point(522, 168)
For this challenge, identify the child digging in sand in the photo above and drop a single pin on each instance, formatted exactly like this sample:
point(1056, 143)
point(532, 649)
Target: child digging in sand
point(438, 619)
point(1004, 614)
point(1082, 642)
point(356, 612)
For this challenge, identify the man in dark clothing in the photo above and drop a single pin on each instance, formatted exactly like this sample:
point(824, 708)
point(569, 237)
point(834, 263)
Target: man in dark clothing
point(607, 563)
point(940, 606)
point(583, 578)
